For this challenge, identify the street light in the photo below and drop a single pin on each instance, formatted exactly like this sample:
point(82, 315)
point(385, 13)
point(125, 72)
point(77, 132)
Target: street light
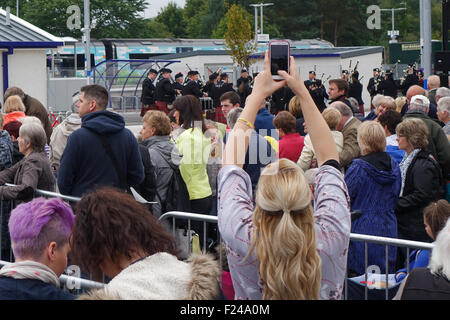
point(260, 6)
point(393, 33)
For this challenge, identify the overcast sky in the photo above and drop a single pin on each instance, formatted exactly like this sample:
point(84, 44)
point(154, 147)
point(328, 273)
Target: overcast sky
point(156, 5)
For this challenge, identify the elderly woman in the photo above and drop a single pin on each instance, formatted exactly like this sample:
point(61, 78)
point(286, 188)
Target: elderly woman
point(40, 231)
point(114, 232)
point(280, 247)
point(31, 173)
point(373, 183)
point(164, 158)
point(14, 109)
point(421, 180)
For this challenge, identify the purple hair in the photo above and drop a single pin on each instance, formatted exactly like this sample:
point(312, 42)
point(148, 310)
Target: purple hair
point(33, 225)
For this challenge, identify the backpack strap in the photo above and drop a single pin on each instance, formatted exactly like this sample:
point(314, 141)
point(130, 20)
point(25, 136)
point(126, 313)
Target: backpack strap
point(109, 152)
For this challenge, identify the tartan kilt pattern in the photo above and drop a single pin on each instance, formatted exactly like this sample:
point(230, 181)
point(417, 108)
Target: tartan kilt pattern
point(220, 117)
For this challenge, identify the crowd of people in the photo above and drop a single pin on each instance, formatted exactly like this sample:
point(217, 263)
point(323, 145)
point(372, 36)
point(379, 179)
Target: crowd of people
point(282, 165)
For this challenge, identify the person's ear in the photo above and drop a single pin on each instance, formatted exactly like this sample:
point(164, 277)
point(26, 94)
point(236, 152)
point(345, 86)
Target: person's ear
point(92, 105)
point(153, 130)
point(51, 251)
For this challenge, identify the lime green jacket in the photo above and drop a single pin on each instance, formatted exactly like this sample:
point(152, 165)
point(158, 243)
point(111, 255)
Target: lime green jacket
point(195, 149)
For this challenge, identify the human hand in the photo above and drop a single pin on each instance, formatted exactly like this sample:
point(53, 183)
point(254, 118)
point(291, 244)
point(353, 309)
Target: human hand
point(292, 78)
point(264, 85)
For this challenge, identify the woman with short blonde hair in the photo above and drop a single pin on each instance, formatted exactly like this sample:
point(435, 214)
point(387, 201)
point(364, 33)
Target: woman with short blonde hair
point(158, 121)
point(164, 159)
point(371, 137)
point(373, 182)
point(14, 109)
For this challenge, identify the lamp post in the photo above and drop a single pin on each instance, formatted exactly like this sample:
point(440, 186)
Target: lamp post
point(260, 6)
point(393, 33)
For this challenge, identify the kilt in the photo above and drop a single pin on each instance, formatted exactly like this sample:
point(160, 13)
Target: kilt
point(146, 107)
point(220, 117)
point(162, 106)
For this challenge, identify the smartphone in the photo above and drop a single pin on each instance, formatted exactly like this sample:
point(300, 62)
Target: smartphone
point(279, 53)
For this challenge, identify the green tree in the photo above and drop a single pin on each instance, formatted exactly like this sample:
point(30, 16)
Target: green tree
point(155, 29)
point(239, 36)
point(113, 19)
point(193, 13)
point(172, 17)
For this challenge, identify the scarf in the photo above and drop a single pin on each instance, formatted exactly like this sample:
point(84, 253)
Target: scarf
point(404, 165)
point(30, 270)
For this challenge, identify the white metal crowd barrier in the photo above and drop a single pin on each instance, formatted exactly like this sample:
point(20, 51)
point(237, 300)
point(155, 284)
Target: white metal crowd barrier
point(353, 237)
point(174, 215)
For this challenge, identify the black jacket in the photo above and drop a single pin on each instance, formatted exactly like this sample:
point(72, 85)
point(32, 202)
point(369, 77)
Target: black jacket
point(422, 185)
point(148, 92)
point(30, 289)
point(164, 91)
point(220, 88)
point(421, 284)
point(388, 88)
point(355, 91)
point(192, 88)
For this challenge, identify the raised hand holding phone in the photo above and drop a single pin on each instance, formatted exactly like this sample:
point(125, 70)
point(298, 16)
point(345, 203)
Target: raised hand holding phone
point(279, 53)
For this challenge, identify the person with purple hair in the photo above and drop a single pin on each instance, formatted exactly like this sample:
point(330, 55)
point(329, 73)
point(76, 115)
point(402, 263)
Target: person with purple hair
point(40, 231)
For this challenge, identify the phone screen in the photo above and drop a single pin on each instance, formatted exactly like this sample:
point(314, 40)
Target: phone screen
point(278, 58)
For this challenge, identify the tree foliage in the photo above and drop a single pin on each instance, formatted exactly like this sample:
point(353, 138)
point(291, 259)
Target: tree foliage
point(343, 23)
point(238, 35)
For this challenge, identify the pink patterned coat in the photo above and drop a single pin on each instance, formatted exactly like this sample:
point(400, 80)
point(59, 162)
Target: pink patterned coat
point(332, 225)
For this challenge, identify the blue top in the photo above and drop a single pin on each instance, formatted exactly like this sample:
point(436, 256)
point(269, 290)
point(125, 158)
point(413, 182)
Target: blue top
point(85, 163)
point(31, 289)
point(374, 189)
point(395, 153)
point(417, 259)
point(264, 124)
point(259, 154)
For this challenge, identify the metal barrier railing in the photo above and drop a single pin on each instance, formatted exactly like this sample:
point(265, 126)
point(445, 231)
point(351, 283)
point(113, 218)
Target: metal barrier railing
point(353, 237)
point(174, 215)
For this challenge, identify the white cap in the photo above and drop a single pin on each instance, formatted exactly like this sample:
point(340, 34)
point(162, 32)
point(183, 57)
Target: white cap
point(421, 100)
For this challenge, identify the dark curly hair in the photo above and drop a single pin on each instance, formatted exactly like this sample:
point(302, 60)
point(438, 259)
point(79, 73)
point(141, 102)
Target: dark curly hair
point(110, 224)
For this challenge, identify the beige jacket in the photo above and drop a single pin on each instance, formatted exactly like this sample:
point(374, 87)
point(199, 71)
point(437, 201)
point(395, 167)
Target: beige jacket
point(351, 149)
point(308, 153)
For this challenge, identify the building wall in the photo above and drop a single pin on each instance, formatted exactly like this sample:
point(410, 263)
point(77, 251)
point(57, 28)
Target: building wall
point(27, 70)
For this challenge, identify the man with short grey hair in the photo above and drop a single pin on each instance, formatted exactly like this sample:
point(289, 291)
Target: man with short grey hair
point(444, 114)
point(442, 92)
point(437, 140)
point(349, 128)
point(233, 116)
point(433, 83)
point(60, 134)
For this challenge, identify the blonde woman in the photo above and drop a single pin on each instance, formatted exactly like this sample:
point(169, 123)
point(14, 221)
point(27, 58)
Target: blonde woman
point(332, 118)
point(280, 248)
point(14, 109)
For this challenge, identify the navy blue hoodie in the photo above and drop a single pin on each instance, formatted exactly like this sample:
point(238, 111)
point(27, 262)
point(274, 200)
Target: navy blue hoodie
point(85, 164)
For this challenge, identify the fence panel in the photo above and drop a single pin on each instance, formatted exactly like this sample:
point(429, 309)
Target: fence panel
point(353, 237)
